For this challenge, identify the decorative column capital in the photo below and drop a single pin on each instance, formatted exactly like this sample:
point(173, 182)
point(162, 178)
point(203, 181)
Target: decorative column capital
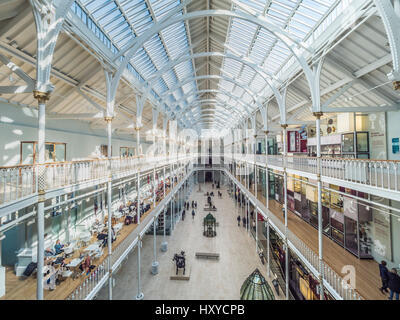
point(318, 115)
point(284, 126)
point(266, 132)
point(40, 96)
point(137, 128)
point(396, 85)
point(108, 119)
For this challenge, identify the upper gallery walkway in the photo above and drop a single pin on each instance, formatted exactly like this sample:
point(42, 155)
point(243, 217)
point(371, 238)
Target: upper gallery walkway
point(19, 184)
point(303, 239)
point(379, 177)
point(75, 285)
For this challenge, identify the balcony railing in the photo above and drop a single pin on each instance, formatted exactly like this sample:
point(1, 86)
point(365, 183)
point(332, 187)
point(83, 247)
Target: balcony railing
point(336, 283)
point(90, 286)
point(21, 181)
point(383, 174)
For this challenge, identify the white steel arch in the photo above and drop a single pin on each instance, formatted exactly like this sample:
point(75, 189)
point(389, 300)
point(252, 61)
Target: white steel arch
point(294, 46)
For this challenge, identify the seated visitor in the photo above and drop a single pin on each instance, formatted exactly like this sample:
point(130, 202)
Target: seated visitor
point(128, 220)
point(86, 265)
point(104, 236)
point(58, 247)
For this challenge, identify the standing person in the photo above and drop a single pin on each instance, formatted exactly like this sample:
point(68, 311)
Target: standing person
point(394, 284)
point(183, 215)
point(238, 220)
point(195, 204)
point(384, 273)
point(244, 221)
point(193, 214)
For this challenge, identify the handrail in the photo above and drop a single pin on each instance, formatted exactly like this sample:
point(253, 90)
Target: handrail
point(21, 181)
point(92, 283)
point(333, 282)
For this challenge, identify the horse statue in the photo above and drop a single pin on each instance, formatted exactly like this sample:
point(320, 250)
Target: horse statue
point(180, 261)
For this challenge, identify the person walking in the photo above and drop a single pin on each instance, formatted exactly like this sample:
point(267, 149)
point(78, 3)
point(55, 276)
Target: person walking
point(238, 220)
point(244, 221)
point(193, 214)
point(183, 215)
point(394, 284)
point(384, 273)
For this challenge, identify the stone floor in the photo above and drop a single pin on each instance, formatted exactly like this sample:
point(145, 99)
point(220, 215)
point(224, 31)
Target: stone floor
point(210, 279)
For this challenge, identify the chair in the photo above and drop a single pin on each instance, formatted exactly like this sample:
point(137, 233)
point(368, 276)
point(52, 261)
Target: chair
point(85, 237)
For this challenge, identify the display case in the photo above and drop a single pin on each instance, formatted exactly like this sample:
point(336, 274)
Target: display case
point(358, 217)
point(337, 226)
point(331, 146)
point(355, 145)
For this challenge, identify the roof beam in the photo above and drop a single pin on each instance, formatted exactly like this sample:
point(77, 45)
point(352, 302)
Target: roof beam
point(361, 109)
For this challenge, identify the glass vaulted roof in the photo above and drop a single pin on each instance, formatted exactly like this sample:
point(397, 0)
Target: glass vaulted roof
point(118, 22)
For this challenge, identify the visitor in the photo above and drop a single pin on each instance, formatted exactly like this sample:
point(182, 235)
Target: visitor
point(213, 185)
point(384, 273)
point(244, 221)
point(195, 204)
point(253, 224)
point(86, 265)
point(394, 284)
point(238, 220)
point(193, 214)
point(183, 215)
point(58, 247)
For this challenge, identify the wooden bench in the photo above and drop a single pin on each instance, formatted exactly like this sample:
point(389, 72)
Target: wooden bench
point(207, 255)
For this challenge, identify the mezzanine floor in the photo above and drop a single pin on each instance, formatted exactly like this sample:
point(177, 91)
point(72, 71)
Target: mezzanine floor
point(367, 271)
point(215, 280)
point(18, 288)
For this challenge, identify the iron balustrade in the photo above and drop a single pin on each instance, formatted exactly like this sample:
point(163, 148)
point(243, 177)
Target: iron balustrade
point(18, 182)
point(383, 174)
point(92, 283)
point(334, 282)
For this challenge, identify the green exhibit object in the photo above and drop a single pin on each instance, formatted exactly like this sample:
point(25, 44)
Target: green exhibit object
point(210, 226)
point(256, 288)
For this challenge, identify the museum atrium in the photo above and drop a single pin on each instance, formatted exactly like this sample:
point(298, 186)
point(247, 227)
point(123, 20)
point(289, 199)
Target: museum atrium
point(199, 149)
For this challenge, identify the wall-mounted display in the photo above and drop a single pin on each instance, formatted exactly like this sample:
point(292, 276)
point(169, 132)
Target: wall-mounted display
point(395, 145)
point(54, 152)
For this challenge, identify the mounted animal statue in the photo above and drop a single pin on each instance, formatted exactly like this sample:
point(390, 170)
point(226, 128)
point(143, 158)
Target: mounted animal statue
point(180, 261)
